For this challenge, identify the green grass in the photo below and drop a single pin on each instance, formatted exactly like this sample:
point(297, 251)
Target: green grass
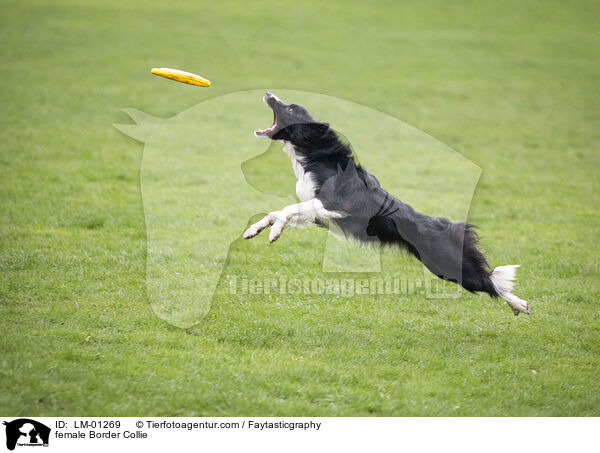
point(513, 86)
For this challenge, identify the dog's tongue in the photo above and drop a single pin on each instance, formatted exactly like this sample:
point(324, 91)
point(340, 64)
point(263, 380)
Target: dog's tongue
point(264, 131)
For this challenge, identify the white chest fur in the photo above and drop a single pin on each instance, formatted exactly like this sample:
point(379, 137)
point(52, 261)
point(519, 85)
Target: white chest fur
point(305, 187)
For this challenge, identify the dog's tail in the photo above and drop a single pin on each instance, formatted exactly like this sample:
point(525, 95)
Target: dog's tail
point(502, 280)
point(477, 275)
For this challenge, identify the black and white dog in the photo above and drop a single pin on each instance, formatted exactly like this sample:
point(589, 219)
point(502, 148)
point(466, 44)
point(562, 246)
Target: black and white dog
point(332, 188)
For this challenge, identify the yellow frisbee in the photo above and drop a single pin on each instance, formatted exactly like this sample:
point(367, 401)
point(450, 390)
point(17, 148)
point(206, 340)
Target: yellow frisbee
point(181, 76)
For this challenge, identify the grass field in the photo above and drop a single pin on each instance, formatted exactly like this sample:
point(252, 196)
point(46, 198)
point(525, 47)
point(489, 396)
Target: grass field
point(514, 86)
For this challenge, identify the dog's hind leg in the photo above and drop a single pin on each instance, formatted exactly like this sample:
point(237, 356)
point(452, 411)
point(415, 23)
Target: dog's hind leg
point(299, 213)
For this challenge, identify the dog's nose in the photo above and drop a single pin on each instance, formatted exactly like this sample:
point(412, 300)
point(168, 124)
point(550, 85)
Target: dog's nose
point(268, 94)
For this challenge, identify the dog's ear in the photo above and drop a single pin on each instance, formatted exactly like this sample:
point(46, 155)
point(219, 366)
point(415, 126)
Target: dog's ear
point(321, 128)
point(307, 133)
point(282, 134)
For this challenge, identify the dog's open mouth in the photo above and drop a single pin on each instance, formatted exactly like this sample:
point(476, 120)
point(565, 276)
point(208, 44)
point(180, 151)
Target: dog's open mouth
point(273, 103)
point(269, 129)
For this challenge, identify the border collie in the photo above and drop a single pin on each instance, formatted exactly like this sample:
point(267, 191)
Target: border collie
point(332, 188)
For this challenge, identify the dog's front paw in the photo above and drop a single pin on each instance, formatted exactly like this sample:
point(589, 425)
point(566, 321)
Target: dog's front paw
point(250, 233)
point(276, 231)
point(258, 227)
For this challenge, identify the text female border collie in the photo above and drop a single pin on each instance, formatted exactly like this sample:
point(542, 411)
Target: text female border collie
point(333, 188)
